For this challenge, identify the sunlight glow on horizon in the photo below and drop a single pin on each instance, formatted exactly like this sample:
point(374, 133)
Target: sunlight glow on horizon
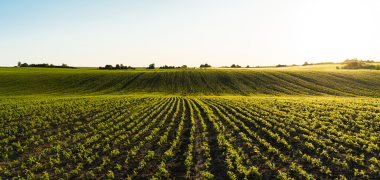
point(137, 33)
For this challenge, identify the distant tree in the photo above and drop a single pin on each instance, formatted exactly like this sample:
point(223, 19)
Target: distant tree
point(117, 66)
point(346, 61)
point(337, 67)
point(24, 65)
point(64, 65)
point(168, 67)
point(51, 65)
point(369, 66)
point(151, 66)
point(305, 64)
point(353, 65)
point(247, 66)
point(184, 66)
point(205, 65)
point(121, 66)
point(19, 64)
point(108, 66)
point(377, 67)
point(233, 66)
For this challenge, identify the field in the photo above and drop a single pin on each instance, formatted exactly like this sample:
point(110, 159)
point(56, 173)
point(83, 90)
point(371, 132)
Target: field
point(189, 124)
point(278, 82)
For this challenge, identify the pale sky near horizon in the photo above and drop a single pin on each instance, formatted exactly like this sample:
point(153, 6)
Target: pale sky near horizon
point(136, 33)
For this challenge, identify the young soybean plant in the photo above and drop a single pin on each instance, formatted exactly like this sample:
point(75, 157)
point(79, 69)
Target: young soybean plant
point(110, 175)
point(206, 175)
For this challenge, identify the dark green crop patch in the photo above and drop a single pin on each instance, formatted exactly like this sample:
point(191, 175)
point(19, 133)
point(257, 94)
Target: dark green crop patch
point(40, 81)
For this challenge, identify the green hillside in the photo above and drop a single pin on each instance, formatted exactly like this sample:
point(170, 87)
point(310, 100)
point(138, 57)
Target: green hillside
point(279, 81)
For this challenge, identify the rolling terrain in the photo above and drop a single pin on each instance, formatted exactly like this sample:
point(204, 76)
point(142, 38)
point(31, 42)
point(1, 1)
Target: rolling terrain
point(202, 124)
point(278, 82)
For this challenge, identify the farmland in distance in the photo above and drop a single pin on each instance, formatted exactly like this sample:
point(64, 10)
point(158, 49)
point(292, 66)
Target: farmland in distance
point(189, 124)
point(219, 82)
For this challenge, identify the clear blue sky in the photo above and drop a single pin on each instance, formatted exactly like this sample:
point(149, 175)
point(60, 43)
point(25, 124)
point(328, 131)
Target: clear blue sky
point(137, 33)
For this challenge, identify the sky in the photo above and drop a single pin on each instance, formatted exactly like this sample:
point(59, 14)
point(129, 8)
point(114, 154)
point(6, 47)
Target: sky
point(136, 33)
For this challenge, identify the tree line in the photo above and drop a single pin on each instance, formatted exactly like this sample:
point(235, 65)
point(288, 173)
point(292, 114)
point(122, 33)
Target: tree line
point(152, 66)
point(350, 64)
point(19, 64)
point(359, 65)
point(172, 67)
point(357, 60)
point(121, 66)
